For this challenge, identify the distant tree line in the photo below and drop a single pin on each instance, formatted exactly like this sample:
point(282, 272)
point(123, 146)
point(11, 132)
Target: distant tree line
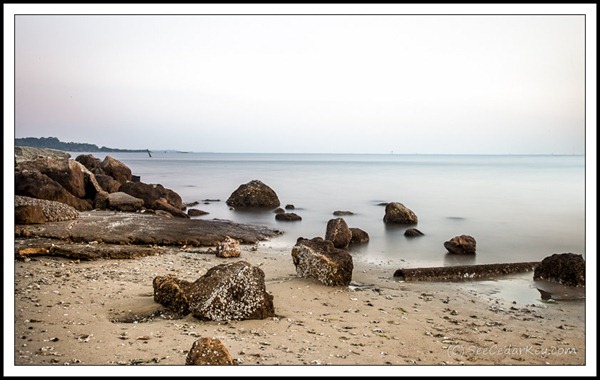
point(55, 143)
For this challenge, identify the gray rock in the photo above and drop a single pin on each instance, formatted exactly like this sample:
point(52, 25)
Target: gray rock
point(397, 213)
point(319, 259)
point(338, 233)
point(124, 202)
point(253, 194)
point(27, 153)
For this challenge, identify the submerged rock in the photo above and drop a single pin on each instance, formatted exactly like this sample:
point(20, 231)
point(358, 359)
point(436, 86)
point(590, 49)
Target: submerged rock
point(288, 217)
point(338, 233)
point(253, 194)
point(463, 244)
point(397, 213)
point(412, 232)
point(208, 351)
point(565, 268)
point(319, 259)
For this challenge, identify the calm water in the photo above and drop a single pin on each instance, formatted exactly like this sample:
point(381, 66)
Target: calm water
point(518, 208)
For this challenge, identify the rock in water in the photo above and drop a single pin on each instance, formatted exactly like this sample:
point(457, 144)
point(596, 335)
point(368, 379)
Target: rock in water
point(359, 236)
point(254, 194)
point(319, 259)
point(565, 268)
point(338, 233)
point(208, 351)
point(229, 248)
point(412, 232)
point(463, 244)
point(288, 217)
point(397, 213)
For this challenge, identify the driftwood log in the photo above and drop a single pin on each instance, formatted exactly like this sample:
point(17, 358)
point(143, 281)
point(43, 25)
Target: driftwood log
point(463, 272)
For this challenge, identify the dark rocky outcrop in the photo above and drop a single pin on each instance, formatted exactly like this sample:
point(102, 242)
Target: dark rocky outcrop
point(52, 211)
point(412, 232)
point(397, 213)
point(208, 351)
point(90, 162)
point(67, 173)
point(108, 183)
point(156, 197)
point(29, 214)
point(463, 244)
point(565, 268)
point(463, 272)
point(253, 194)
point(32, 183)
point(229, 248)
point(124, 202)
point(116, 169)
point(319, 259)
point(288, 217)
point(359, 236)
point(338, 233)
point(233, 291)
point(290, 207)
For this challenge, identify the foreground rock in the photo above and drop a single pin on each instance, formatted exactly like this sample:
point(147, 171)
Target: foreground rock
point(254, 194)
point(319, 259)
point(226, 292)
point(138, 228)
point(208, 351)
point(34, 184)
point(463, 244)
point(397, 213)
point(565, 268)
point(338, 233)
point(66, 172)
point(463, 272)
point(52, 211)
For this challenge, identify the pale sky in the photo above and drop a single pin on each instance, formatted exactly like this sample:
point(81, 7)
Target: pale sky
point(288, 83)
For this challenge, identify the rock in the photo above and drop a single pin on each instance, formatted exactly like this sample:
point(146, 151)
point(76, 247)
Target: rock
point(565, 268)
point(289, 207)
point(27, 153)
point(66, 172)
point(208, 351)
point(32, 183)
point(412, 232)
point(359, 236)
point(52, 211)
point(171, 292)
point(80, 251)
point(116, 169)
point(229, 248)
point(463, 272)
point(396, 212)
point(231, 292)
point(279, 210)
point(288, 217)
point(319, 259)
point(90, 162)
point(108, 183)
point(29, 214)
point(196, 212)
point(124, 202)
point(136, 178)
point(156, 197)
point(253, 194)
point(342, 213)
point(463, 244)
point(338, 233)
point(164, 214)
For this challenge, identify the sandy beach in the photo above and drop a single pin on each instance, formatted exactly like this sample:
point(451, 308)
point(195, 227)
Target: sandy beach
point(102, 313)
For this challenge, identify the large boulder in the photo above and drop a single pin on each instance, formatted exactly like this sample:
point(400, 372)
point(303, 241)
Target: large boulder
point(359, 236)
point(565, 268)
point(397, 213)
point(52, 211)
point(156, 197)
point(123, 202)
point(108, 183)
point(116, 169)
point(254, 194)
point(66, 172)
point(32, 183)
point(208, 351)
point(321, 260)
point(90, 162)
point(463, 244)
point(338, 233)
point(233, 291)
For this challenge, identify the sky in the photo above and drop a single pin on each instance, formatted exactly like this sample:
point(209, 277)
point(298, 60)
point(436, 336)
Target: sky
point(501, 84)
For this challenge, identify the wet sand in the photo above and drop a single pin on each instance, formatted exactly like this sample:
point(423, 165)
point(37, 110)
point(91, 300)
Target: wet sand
point(101, 313)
